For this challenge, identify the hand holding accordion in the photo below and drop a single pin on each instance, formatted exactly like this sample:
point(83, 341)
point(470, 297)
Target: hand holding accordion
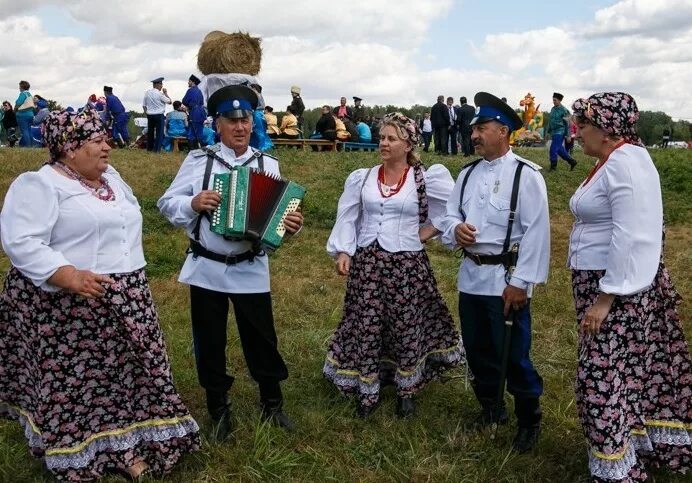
point(254, 205)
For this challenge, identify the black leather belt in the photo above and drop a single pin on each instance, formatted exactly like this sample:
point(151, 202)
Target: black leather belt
point(198, 250)
point(487, 259)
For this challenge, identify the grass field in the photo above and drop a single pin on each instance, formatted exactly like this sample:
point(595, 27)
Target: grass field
point(329, 443)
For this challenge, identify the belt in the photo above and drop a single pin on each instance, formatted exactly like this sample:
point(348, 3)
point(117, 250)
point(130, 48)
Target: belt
point(500, 259)
point(198, 250)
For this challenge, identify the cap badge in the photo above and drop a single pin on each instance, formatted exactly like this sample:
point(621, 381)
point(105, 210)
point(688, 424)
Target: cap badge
point(236, 104)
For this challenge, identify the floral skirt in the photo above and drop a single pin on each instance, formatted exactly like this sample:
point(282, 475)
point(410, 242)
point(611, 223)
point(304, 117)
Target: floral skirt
point(634, 382)
point(89, 379)
point(395, 328)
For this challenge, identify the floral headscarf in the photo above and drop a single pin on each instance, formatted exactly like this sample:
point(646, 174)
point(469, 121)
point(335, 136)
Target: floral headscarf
point(614, 112)
point(406, 123)
point(68, 131)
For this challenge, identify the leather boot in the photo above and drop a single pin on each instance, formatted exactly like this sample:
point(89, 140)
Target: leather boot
point(363, 411)
point(405, 406)
point(526, 438)
point(272, 411)
point(529, 416)
point(489, 415)
point(219, 408)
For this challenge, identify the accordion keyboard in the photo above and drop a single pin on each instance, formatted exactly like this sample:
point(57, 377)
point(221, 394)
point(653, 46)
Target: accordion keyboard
point(290, 208)
point(231, 198)
point(218, 187)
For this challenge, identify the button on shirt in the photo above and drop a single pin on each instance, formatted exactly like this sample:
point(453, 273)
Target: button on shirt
point(64, 224)
point(486, 205)
point(619, 222)
point(155, 102)
point(364, 215)
point(176, 206)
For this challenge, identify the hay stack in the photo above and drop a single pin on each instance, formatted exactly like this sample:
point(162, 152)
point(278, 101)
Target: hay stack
point(222, 53)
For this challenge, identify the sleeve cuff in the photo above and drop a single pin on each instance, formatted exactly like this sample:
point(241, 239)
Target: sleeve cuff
point(519, 283)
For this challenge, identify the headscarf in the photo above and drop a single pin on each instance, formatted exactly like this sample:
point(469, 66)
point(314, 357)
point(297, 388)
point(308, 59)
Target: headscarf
point(68, 131)
point(406, 123)
point(614, 112)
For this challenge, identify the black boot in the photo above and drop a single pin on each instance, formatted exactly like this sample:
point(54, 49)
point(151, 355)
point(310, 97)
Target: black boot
point(572, 164)
point(489, 416)
point(219, 408)
point(272, 411)
point(405, 407)
point(526, 438)
point(364, 411)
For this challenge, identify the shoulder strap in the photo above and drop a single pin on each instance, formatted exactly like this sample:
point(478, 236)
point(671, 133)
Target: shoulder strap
point(472, 165)
point(259, 156)
point(513, 206)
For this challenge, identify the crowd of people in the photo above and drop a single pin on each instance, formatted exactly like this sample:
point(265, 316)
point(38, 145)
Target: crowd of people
point(87, 374)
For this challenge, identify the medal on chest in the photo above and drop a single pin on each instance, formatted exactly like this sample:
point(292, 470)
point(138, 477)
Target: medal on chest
point(497, 186)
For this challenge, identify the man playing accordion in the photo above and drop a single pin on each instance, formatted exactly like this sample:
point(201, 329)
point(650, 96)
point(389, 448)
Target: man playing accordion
point(218, 269)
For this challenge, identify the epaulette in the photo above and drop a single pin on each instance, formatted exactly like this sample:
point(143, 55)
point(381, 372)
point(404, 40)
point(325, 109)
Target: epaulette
point(528, 163)
point(206, 150)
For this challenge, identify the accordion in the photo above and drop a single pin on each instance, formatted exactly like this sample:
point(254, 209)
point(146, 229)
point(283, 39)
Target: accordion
point(254, 205)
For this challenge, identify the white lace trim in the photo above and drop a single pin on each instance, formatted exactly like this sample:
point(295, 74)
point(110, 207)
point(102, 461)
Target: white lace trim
point(618, 469)
point(350, 380)
point(128, 440)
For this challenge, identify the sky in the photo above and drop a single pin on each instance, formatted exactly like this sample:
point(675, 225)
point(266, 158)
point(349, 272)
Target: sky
point(399, 52)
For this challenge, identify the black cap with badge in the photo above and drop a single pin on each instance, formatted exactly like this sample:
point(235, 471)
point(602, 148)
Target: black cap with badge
point(491, 108)
point(232, 102)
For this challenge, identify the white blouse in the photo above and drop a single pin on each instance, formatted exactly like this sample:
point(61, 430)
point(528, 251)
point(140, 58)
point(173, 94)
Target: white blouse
point(619, 222)
point(49, 221)
point(176, 206)
point(364, 216)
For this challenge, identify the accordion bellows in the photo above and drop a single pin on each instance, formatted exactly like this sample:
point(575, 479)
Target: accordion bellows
point(254, 205)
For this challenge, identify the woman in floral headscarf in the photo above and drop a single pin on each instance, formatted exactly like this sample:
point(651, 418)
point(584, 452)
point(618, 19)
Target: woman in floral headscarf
point(395, 326)
point(83, 364)
point(634, 378)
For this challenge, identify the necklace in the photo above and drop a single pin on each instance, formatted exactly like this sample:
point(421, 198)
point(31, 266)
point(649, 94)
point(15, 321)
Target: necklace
point(385, 190)
point(600, 164)
point(103, 192)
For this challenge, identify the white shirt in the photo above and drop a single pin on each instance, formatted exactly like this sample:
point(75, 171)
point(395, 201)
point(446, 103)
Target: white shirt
point(452, 115)
point(49, 221)
point(486, 204)
point(392, 221)
point(176, 206)
point(155, 102)
point(427, 125)
point(619, 222)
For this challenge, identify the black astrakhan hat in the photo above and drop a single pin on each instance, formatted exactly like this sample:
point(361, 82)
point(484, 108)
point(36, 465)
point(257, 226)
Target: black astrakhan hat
point(195, 79)
point(558, 96)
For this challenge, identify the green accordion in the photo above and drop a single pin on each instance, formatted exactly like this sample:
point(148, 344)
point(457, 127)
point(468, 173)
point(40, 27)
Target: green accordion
point(254, 205)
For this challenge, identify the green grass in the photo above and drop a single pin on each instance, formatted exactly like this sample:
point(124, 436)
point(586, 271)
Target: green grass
point(329, 443)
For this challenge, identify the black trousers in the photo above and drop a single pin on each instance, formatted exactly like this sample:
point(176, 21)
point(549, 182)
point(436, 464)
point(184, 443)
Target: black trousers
point(483, 329)
point(452, 140)
point(253, 314)
point(441, 139)
point(427, 137)
point(466, 146)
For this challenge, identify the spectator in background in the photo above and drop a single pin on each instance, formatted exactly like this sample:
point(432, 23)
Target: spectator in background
point(325, 127)
point(175, 126)
point(342, 133)
point(343, 110)
point(558, 128)
point(452, 130)
point(289, 125)
point(273, 130)
point(9, 123)
point(24, 109)
point(570, 137)
point(116, 114)
point(666, 137)
point(194, 103)
point(358, 108)
point(297, 105)
point(439, 116)
point(375, 124)
point(364, 133)
point(426, 130)
point(154, 104)
point(352, 130)
point(41, 113)
point(466, 113)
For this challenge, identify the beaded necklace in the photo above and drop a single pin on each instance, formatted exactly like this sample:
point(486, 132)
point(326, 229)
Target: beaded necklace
point(103, 192)
point(385, 190)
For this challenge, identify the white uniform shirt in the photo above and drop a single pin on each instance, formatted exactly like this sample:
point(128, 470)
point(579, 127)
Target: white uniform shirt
point(427, 125)
point(486, 205)
point(49, 221)
point(176, 206)
point(392, 221)
point(619, 222)
point(155, 102)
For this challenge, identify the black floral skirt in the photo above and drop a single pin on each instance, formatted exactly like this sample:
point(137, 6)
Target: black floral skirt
point(89, 379)
point(634, 382)
point(395, 329)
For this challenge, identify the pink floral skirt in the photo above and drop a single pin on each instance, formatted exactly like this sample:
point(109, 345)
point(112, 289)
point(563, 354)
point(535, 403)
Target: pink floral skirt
point(89, 379)
point(634, 382)
point(395, 329)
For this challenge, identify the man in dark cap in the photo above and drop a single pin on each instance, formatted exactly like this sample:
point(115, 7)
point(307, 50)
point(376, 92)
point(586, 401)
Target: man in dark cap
point(466, 113)
point(115, 112)
point(194, 102)
point(297, 105)
point(558, 128)
point(498, 215)
point(218, 269)
point(358, 109)
point(154, 104)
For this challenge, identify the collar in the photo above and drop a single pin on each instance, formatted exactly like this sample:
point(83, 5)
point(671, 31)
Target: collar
point(229, 155)
point(495, 162)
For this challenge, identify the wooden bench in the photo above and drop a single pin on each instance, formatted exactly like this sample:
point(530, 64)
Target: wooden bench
point(176, 142)
point(349, 146)
point(305, 143)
